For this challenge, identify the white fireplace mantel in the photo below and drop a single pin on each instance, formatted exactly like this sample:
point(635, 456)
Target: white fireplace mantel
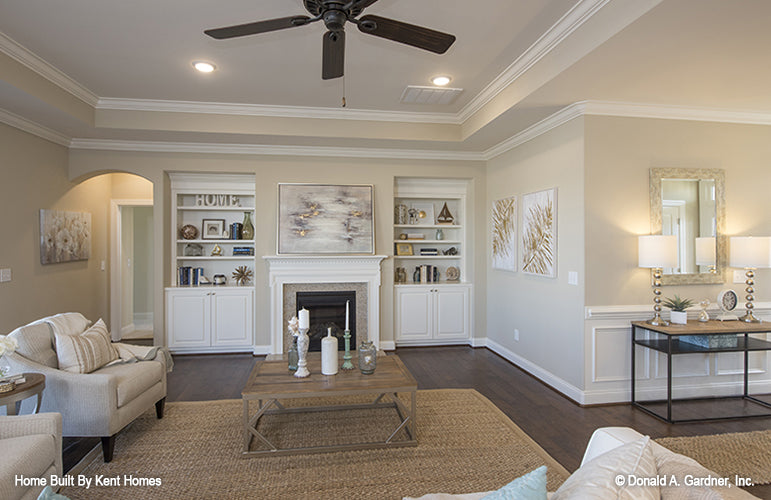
point(288, 269)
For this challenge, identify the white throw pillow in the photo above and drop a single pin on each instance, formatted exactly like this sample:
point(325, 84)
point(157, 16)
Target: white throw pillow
point(71, 323)
point(86, 352)
point(687, 479)
point(618, 474)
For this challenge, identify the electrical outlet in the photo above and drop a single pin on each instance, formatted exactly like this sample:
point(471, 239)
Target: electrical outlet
point(5, 275)
point(516, 334)
point(739, 276)
point(572, 277)
point(102, 265)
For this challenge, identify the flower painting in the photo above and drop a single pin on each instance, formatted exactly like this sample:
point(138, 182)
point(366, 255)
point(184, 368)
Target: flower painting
point(325, 219)
point(539, 233)
point(504, 220)
point(64, 236)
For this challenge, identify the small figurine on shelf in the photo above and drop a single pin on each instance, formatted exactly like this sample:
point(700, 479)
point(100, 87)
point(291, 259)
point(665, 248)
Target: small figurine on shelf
point(242, 275)
point(216, 251)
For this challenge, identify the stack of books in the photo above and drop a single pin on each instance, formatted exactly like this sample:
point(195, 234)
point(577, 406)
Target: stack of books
point(426, 274)
point(429, 251)
point(187, 275)
point(416, 236)
point(243, 251)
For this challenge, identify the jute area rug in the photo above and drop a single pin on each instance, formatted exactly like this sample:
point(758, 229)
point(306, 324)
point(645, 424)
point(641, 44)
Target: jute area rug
point(466, 444)
point(746, 454)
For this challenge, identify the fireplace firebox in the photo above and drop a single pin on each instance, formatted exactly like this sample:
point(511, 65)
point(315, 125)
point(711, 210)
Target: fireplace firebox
point(327, 309)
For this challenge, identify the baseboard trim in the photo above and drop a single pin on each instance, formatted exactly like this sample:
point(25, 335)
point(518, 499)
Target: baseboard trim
point(387, 345)
point(563, 387)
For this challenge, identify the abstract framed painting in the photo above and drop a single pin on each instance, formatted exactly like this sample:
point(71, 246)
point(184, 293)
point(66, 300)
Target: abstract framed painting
point(64, 236)
point(504, 228)
point(539, 233)
point(325, 219)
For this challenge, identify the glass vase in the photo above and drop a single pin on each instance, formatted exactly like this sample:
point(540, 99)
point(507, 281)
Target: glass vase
point(292, 355)
point(247, 228)
point(367, 358)
point(5, 367)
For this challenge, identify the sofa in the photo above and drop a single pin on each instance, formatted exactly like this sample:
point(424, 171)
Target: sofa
point(619, 463)
point(98, 386)
point(31, 446)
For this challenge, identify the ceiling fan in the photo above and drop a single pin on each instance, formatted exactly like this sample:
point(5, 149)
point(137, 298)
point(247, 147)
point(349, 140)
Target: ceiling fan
point(335, 13)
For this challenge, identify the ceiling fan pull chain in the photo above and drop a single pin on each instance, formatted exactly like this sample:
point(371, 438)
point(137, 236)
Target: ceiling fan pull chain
point(343, 90)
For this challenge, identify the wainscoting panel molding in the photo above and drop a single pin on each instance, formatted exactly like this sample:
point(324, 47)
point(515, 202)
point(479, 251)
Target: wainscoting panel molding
point(607, 334)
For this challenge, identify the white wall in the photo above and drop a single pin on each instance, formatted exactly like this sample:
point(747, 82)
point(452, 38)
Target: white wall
point(619, 155)
point(269, 172)
point(547, 312)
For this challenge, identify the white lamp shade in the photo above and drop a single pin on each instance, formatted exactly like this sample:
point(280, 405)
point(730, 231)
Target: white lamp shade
point(705, 251)
point(657, 251)
point(750, 251)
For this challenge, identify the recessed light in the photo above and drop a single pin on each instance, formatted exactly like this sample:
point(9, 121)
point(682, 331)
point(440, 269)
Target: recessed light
point(203, 66)
point(441, 80)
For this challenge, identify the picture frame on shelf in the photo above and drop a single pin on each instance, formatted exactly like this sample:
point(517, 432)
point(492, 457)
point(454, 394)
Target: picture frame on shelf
point(425, 215)
point(404, 249)
point(325, 219)
point(212, 229)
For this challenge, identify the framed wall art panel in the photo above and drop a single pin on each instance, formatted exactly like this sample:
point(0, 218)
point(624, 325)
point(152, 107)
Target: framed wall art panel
point(325, 219)
point(539, 233)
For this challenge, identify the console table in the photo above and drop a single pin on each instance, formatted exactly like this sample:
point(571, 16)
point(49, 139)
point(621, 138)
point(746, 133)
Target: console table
point(667, 341)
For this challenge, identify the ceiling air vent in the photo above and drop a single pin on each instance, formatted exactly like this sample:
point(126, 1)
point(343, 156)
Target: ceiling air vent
point(414, 94)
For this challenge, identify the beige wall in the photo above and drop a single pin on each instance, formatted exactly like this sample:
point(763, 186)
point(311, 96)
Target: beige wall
point(34, 176)
point(619, 154)
point(272, 170)
point(547, 312)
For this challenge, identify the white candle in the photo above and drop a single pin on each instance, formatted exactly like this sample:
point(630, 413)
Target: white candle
point(329, 354)
point(346, 314)
point(305, 318)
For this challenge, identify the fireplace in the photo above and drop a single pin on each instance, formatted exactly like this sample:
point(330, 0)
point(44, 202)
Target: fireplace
point(327, 310)
point(289, 274)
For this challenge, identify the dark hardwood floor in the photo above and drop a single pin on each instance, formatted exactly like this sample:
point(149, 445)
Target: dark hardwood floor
point(560, 426)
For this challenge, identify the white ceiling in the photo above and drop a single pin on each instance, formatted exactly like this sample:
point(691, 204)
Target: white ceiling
point(518, 61)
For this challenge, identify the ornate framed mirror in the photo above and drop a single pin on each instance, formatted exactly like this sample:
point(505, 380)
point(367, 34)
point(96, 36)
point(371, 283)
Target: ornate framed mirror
point(690, 204)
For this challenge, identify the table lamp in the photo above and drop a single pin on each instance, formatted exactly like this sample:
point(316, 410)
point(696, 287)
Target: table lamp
point(706, 253)
point(750, 253)
point(656, 251)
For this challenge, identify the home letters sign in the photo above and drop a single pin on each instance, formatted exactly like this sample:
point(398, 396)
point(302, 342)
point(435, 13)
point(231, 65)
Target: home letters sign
point(217, 200)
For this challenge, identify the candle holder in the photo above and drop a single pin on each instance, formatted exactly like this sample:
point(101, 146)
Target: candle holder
point(302, 354)
point(347, 364)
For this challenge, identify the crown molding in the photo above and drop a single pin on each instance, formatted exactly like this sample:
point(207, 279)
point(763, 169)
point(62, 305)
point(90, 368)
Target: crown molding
point(553, 121)
point(567, 24)
point(224, 108)
point(673, 112)
point(33, 128)
point(26, 57)
point(272, 150)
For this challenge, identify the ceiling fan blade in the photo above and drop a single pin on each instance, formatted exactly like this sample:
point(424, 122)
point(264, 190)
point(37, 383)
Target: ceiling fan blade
point(257, 27)
point(333, 62)
point(417, 36)
point(361, 4)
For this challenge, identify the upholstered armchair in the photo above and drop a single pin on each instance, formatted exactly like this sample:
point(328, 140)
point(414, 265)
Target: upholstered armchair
point(31, 447)
point(99, 403)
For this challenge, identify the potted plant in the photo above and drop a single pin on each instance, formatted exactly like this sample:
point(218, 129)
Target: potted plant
point(678, 307)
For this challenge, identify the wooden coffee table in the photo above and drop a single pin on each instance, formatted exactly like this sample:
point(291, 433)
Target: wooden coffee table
point(271, 381)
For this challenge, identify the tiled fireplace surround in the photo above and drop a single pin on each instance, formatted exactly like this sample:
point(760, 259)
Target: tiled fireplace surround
point(289, 274)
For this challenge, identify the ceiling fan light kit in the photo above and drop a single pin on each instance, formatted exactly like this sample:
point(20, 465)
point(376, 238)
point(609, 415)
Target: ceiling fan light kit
point(335, 13)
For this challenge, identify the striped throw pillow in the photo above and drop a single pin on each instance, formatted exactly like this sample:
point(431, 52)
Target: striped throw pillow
point(86, 352)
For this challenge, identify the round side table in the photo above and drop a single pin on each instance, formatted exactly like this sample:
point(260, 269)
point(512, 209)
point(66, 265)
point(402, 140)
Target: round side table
point(33, 386)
